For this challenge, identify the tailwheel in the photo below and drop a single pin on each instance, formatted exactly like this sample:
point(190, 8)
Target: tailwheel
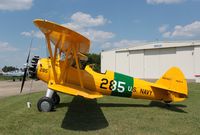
point(56, 98)
point(45, 104)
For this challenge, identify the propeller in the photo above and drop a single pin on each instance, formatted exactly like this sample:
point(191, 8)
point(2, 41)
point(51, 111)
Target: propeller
point(26, 68)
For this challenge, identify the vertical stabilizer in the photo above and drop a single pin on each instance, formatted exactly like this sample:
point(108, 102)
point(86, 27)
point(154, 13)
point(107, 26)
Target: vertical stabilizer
point(176, 83)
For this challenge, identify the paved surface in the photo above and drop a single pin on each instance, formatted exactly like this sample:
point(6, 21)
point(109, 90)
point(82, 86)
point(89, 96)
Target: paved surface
point(10, 88)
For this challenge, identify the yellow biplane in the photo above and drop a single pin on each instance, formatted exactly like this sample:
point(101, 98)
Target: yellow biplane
point(62, 72)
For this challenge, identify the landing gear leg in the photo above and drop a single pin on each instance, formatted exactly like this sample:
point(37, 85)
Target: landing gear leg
point(56, 98)
point(46, 104)
point(49, 93)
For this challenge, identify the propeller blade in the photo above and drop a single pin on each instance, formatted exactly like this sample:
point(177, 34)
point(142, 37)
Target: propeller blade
point(26, 68)
point(27, 61)
point(24, 79)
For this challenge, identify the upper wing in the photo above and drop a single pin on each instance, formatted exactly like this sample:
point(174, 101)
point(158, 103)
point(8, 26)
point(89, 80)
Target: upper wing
point(63, 37)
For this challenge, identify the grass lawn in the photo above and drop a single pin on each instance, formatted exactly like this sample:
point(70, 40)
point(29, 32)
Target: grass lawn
point(3, 78)
point(108, 115)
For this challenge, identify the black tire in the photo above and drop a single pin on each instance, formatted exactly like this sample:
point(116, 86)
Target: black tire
point(45, 104)
point(56, 98)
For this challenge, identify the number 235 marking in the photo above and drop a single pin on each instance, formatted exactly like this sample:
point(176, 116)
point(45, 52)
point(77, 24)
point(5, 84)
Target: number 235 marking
point(113, 85)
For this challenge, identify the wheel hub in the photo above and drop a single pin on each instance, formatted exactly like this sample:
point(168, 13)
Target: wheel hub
point(45, 106)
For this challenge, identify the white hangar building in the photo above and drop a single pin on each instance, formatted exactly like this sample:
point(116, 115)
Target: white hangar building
point(152, 60)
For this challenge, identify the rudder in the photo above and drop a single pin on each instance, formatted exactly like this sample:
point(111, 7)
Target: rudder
point(176, 83)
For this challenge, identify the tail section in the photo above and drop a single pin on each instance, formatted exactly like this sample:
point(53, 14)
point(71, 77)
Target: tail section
point(175, 82)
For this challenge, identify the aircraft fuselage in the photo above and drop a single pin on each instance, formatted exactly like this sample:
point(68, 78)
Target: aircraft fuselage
point(109, 83)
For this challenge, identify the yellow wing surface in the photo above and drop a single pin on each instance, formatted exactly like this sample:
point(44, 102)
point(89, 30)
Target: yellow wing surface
point(76, 91)
point(63, 37)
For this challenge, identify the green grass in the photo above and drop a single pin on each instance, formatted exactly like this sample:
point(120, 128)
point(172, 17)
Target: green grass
point(108, 115)
point(3, 78)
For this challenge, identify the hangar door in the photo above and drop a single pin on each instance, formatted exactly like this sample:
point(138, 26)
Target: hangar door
point(167, 59)
point(151, 63)
point(185, 60)
point(158, 61)
point(137, 63)
point(122, 62)
point(107, 61)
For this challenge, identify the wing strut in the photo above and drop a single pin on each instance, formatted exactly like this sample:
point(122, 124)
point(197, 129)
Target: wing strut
point(66, 63)
point(77, 64)
point(56, 48)
point(51, 55)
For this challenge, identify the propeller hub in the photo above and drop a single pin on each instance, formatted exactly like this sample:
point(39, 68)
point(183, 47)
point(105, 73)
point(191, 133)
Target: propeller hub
point(32, 70)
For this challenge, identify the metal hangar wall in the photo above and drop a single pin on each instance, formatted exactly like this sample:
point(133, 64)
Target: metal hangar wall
point(152, 60)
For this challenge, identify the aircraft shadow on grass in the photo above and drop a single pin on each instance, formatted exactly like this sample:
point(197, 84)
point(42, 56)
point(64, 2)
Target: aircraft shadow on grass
point(83, 115)
point(86, 114)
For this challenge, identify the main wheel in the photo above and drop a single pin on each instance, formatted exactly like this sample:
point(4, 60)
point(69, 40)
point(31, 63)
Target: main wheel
point(45, 104)
point(56, 98)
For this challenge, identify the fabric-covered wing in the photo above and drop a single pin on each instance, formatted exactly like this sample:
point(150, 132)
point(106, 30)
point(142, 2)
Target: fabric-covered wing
point(63, 37)
point(76, 91)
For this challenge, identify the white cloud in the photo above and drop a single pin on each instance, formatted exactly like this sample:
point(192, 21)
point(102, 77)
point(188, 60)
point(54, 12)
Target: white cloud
point(6, 47)
point(190, 30)
point(163, 28)
point(83, 23)
point(86, 25)
point(37, 34)
point(97, 35)
point(12, 5)
point(122, 43)
point(26, 34)
point(73, 26)
point(86, 20)
point(166, 34)
point(155, 2)
point(80, 20)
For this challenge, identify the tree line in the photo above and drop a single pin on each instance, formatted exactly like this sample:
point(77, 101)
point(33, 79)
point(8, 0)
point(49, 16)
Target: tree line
point(94, 59)
point(10, 69)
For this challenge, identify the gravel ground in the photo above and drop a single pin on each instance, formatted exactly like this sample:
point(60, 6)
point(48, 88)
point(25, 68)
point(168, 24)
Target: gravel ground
point(10, 88)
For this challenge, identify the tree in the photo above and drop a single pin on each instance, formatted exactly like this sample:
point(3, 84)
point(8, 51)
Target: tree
point(9, 68)
point(93, 59)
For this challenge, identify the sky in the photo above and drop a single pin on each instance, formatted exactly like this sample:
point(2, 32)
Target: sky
point(107, 23)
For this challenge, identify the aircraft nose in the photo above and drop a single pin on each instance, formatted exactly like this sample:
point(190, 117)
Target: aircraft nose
point(32, 70)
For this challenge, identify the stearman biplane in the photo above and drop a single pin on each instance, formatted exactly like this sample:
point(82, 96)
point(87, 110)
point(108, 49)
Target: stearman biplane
point(62, 73)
